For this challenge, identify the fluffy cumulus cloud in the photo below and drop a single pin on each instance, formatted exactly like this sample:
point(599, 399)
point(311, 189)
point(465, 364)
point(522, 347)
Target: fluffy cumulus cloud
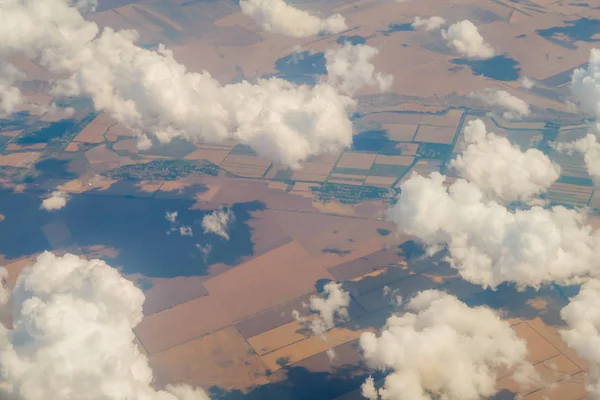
point(149, 92)
point(276, 16)
point(585, 86)
point(500, 169)
point(57, 200)
point(441, 348)
point(489, 244)
point(527, 83)
point(512, 107)
point(582, 316)
point(349, 68)
point(72, 336)
point(218, 222)
point(331, 305)
point(176, 226)
point(430, 24)
point(10, 96)
point(465, 39)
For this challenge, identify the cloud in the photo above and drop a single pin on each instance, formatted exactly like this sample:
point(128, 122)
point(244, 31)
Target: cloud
point(585, 86)
point(500, 169)
point(73, 336)
point(527, 83)
point(514, 107)
point(276, 16)
point(171, 216)
point(10, 96)
point(333, 303)
point(441, 348)
point(582, 316)
point(349, 68)
point(218, 222)
point(430, 24)
point(186, 231)
point(489, 244)
point(4, 291)
point(57, 200)
point(149, 92)
point(465, 39)
point(589, 147)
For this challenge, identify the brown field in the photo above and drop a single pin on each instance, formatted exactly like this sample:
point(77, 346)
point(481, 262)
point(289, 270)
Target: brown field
point(435, 134)
point(95, 130)
point(18, 147)
point(303, 176)
point(317, 168)
point(450, 119)
point(174, 326)
point(102, 159)
point(425, 167)
point(400, 132)
point(72, 147)
point(168, 293)
point(128, 145)
point(309, 347)
point(221, 359)
point(214, 156)
point(356, 160)
point(272, 278)
point(10, 133)
point(394, 160)
point(380, 181)
point(280, 337)
point(346, 181)
point(245, 166)
point(21, 159)
point(569, 194)
point(272, 318)
point(408, 149)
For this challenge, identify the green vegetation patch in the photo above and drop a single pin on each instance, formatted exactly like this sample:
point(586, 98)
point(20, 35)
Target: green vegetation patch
point(434, 150)
point(167, 170)
point(348, 194)
point(389, 170)
point(574, 180)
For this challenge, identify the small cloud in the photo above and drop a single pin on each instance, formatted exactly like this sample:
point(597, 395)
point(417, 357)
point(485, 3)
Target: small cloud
point(171, 216)
point(430, 24)
point(513, 107)
point(186, 231)
point(349, 68)
point(57, 200)
point(527, 83)
point(334, 303)
point(465, 39)
point(276, 16)
point(218, 222)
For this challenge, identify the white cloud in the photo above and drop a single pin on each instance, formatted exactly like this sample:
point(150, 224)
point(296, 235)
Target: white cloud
point(333, 304)
point(465, 39)
point(73, 337)
point(57, 200)
point(149, 92)
point(489, 244)
point(171, 216)
point(430, 24)
point(589, 147)
point(582, 316)
point(349, 68)
point(10, 96)
point(276, 16)
point(585, 86)
point(186, 231)
point(218, 222)
point(527, 83)
point(443, 349)
point(514, 107)
point(500, 169)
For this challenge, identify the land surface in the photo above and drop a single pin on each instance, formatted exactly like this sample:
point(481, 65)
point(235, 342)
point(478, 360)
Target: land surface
point(224, 321)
